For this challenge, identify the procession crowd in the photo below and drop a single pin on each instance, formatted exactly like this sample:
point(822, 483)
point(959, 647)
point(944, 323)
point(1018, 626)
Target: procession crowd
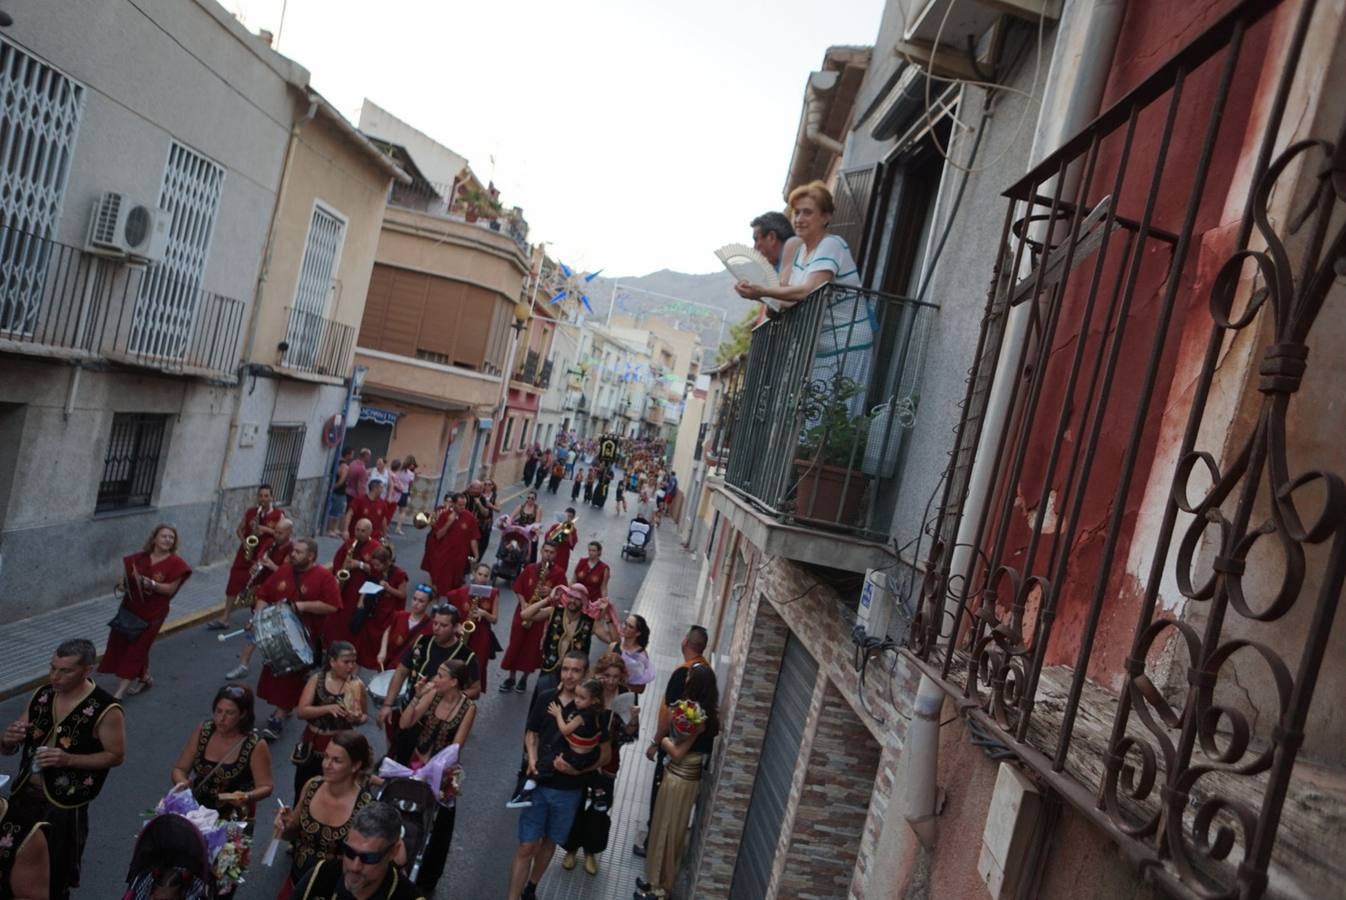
point(357, 638)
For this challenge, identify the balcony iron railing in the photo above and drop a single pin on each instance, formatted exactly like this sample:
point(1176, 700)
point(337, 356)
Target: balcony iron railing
point(56, 299)
point(829, 391)
point(317, 345)
point(1109, 608)
point(729, 392)
point(544, 375)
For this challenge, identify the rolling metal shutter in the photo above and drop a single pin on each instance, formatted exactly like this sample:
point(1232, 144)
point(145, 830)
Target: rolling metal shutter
point(771, 790)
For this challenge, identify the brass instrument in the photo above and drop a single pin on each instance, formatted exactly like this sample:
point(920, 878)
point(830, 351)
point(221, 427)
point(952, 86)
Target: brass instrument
point(250, 544)
point(470, 624)
point(343, 574)
point(245, 596)
point(421, 520)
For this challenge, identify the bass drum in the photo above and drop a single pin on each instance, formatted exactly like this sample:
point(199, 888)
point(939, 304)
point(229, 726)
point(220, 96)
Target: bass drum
point(283, 640)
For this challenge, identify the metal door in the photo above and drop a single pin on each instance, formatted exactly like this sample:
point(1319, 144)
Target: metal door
point(775, 772)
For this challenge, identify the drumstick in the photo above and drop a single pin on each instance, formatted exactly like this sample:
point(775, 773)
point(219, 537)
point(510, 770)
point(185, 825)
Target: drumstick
point(232, 634)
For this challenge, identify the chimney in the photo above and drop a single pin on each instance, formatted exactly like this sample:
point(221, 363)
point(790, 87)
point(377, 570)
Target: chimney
point(265, 36)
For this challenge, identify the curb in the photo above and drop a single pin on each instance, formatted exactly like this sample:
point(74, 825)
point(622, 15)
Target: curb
point(196, 618)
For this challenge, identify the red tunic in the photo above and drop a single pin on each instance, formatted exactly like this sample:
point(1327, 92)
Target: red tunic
point(314, 583)
point(385, 607)
point(564, 540)
point(378, 512)
point(401, 633)
point(338, 626)
point(451, 565)
point(131, 659)
point(592, 579)
point(524, 653)
point(434, 546)
point(242, 567)
point(478, 641)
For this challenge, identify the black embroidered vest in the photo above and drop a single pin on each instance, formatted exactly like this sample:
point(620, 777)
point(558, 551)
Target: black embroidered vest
point(551, 642)
point(77, 733)
point(13, 835)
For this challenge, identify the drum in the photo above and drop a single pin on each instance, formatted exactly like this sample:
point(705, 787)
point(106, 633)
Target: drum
point(379, 684)
point(283, 640)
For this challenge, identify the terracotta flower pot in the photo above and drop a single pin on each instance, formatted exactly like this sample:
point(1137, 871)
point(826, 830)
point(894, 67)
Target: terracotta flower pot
point(828, 495)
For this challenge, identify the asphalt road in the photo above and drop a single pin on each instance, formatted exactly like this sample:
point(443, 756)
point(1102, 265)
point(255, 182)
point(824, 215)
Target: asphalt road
point(189, 667)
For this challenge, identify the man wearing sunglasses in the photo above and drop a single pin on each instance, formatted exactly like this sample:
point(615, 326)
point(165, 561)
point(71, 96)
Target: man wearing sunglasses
point(365, 870)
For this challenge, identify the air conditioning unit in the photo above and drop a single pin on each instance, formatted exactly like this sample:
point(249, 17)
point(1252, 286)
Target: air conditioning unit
point(953, 22)
point(881, 612)
point(123, 228)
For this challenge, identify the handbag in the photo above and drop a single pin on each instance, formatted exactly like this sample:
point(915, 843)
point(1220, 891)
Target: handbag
point(127, 624)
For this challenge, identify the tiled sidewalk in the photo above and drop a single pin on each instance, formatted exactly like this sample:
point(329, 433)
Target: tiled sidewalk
point(664, 600)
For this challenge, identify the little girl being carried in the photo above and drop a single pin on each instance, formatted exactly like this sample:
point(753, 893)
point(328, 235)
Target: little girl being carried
point(581, 731)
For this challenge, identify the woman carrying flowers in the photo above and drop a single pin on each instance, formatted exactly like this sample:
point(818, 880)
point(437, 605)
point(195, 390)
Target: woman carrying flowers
point(224, 763)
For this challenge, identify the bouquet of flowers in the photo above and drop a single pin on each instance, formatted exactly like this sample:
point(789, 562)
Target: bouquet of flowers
point(227, 843)
point(687, 717)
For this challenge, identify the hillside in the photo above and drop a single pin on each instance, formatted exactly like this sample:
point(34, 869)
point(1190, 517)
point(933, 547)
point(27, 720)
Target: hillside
point(714, 289)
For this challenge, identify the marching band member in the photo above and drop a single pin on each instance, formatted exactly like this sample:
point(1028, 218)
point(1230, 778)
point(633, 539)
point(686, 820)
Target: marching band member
point(524, 653)
point(592, 572)
point(259, 522)
point(315, 595)
point(379, 608)
point(273, 553)
point(352, 557)
point(563, 536)
point(481, 612)
point(151, 579)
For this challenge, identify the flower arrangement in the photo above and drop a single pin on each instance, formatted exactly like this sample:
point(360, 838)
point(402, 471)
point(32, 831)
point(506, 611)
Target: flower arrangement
point(687, 717)
point(227, 843)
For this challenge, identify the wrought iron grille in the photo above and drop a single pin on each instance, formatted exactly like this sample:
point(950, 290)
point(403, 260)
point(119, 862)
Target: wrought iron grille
point(131, 464)
point(284, 449)
point(326, 349)
point(317, 274)
point(87, 304)
point(728, 406)
point(39, 120)
point(1132, 442)
point(829, 393)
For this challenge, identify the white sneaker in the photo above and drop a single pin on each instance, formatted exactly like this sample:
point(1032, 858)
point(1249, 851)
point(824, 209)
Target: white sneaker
point(238, 671)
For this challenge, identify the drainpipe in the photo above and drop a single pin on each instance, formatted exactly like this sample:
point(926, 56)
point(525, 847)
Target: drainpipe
point(922, 753)
point(1073, 93)
point(814, 111)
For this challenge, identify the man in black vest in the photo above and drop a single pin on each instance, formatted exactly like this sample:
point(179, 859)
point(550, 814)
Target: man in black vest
point(71, 735)
point(365, 869)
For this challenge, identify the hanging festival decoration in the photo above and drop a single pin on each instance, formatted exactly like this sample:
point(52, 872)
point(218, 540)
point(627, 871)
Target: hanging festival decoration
point(575, 287)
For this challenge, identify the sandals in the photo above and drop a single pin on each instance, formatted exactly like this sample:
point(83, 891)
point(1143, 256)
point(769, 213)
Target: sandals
point(140, 685)
point(216, 625)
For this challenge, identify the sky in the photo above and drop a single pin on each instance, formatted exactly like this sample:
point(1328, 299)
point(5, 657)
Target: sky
point(637, 135)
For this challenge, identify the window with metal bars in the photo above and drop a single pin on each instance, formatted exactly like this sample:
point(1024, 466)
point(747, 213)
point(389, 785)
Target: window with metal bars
point(284, 447)
point(40, 111)
point(317, 275)
point(131, 464)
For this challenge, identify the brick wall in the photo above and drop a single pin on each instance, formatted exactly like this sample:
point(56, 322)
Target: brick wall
point(780, 597)
point(834, 800)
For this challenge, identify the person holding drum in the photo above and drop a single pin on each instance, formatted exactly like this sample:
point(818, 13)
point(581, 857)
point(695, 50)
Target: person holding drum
point(333, 701)
point(225, 763)
point(477, 603)
point(317, 825)
point(440, 715)
point(277, 554)
point(376, 612)
point(304, 594)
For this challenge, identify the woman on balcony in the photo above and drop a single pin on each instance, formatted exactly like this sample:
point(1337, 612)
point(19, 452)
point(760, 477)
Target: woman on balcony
point(818, 259)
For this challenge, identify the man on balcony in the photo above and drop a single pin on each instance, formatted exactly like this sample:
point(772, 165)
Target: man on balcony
point(773, 237)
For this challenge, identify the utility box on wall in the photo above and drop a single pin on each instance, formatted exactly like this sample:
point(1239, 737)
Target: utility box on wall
point(1011, 832)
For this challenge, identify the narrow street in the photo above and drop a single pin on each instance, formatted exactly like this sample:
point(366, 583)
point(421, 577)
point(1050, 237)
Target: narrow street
point(188, 668)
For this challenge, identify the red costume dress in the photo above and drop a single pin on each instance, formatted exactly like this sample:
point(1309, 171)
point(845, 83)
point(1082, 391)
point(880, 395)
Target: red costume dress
point(242, 567)
point(563, 536)
point(478, 641)
point(313, 584)
point(401, 633)
point(524, 653)
point(338, 626)
point(131, 659)
point(451, 565)
point(378, 512)
point(385, 606)
point(434, 546)
point(592, 577)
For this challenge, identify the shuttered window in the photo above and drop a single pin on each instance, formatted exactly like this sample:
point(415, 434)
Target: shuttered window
point(852, 203)
point(170, 290)
point(775, 772)
point(39, 119)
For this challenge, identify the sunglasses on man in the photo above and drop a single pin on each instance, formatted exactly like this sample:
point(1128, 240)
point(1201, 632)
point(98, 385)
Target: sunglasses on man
point(368, 857)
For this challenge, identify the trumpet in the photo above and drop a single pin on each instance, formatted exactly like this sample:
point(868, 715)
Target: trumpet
point(421, 520)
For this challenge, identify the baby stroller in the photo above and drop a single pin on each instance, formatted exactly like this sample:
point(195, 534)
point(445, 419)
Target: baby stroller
point(416, 802)
point(516, 547)
point(637, 539)
point(170, 853)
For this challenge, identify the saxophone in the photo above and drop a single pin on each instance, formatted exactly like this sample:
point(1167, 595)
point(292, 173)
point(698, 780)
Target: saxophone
point(539, 590)
point(343, 574)
point(251, 542)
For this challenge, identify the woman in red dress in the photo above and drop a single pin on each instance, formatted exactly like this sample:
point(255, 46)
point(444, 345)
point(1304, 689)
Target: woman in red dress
point(387, 603)
point(592, 572)
point(485, 614)
point(151, 578)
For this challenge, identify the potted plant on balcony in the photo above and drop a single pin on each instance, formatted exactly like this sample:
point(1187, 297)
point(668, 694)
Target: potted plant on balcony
point(830, 485)
point(478, 203)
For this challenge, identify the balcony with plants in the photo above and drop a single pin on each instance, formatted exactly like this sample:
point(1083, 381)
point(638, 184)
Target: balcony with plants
point(820, 419)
